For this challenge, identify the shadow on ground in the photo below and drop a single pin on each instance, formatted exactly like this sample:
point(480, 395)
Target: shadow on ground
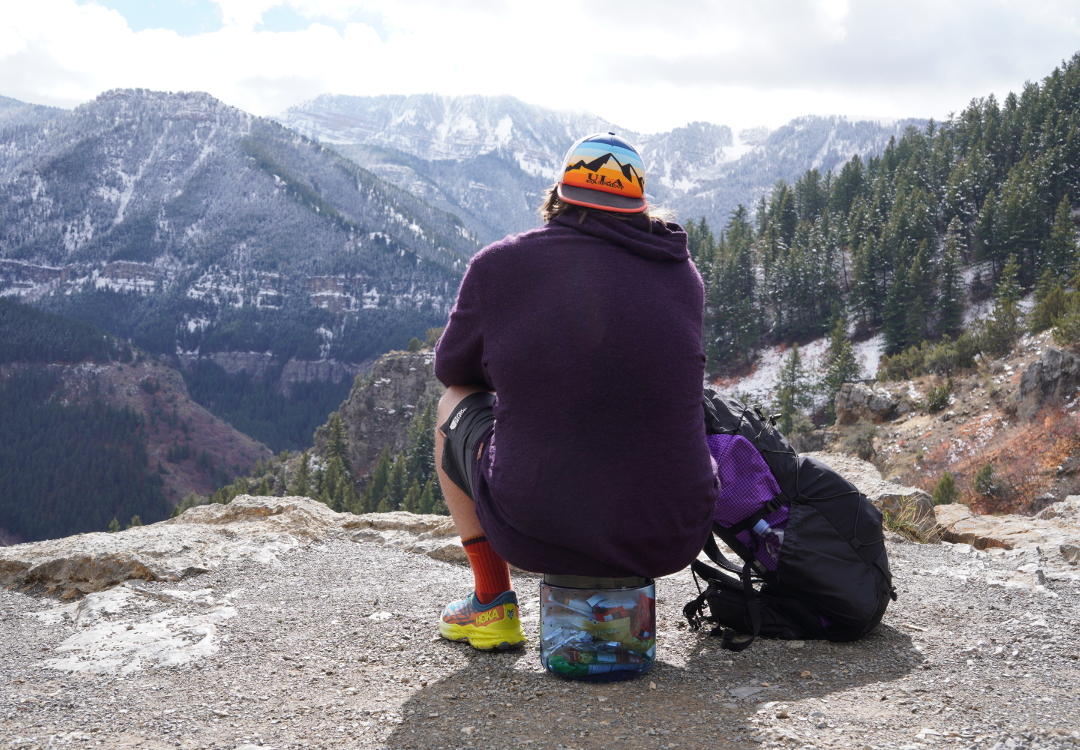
point(697, 695)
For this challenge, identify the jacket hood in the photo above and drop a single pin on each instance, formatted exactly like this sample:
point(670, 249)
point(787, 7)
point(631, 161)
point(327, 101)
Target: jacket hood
point(666, 241)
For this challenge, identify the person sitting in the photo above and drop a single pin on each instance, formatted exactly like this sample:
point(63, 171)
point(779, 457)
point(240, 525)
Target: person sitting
point(572, 438)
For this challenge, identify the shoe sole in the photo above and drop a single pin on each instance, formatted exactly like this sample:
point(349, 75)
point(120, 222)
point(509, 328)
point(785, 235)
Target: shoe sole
point(458, 634)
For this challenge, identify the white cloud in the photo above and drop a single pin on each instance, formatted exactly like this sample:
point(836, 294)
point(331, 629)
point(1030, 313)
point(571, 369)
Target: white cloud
point(645, 68)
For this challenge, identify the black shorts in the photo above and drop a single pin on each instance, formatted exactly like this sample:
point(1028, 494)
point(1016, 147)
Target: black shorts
point(466, 431)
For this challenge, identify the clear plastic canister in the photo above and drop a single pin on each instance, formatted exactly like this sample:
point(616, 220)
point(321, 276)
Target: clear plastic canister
point(597, 629)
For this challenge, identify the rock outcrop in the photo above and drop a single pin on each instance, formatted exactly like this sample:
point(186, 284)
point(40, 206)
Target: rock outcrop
point(434, 536)
point(1055, 531)
point(377, 413)
point(204, 537)
point(1051, 379)
point(909, 505)
point(196, 541)
point(287, 373)
point(856, 401)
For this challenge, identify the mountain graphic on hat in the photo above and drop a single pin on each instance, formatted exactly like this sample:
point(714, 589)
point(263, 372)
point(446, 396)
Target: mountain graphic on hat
point(604, 171)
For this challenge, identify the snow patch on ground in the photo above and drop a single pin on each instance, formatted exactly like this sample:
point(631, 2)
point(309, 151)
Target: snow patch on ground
point(868, 354)
point(760, 385)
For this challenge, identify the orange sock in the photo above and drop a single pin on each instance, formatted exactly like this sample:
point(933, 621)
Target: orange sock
point(491, 574)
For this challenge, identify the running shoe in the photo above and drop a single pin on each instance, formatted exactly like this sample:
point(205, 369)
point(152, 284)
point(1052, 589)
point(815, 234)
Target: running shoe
point(488, 627)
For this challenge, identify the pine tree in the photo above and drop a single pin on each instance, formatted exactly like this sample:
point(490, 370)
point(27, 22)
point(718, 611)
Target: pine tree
point(1001, 331)
point(330, 487)
point(135, 521)
point(1067, 325)
point(337, 443)
point(985, 244)
point(732, 322)
point(847, 187)
point(377, 485)
point(427, 497)
point(1019, 224)
point(114, 526)
point(432, 337)
point(438, 503)
point(1051, 301)
point(1059, 255)
point(918, 303)
point(302, 481)
point(840, 366)
point(950, 284)
point(793, 393)
point(412, 498)
point(945, 492)
point(894, 316)
point(337, 490)
point(701, 244)
point(396, 486)
point(421, 450)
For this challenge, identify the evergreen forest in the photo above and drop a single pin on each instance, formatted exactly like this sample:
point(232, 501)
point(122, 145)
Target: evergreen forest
point(884, 243)
point(29, 335)
point(67, 469)
point(256, 408)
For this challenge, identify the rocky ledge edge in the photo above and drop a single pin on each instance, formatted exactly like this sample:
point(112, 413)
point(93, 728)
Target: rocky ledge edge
point(264, 528)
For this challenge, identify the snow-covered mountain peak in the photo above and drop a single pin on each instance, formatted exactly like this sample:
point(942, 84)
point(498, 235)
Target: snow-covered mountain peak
point(436, 127)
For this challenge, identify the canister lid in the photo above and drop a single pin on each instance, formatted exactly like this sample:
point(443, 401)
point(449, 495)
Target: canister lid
point(594, 582)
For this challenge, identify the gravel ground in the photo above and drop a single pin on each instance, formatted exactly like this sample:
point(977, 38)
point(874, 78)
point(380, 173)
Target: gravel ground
point(334, 646)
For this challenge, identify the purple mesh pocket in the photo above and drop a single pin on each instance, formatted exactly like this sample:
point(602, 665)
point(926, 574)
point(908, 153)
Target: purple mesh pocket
point(746, 485)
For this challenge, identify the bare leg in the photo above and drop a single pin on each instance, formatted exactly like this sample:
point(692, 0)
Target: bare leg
point(461, 507)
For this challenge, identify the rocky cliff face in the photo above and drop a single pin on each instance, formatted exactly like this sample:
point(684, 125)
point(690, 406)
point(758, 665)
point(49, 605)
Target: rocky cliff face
point(1051, 380)
point(292, 371)
point(381, 406)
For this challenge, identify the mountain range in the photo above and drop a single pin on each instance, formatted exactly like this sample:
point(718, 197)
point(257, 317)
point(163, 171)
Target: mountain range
point(489, 159)
point(197, 230)
point(190, 226)
point(258, 256)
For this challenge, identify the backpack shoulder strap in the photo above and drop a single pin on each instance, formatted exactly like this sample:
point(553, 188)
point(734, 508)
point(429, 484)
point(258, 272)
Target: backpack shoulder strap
point(712, 551)
point(720, 595)
point(753, 611)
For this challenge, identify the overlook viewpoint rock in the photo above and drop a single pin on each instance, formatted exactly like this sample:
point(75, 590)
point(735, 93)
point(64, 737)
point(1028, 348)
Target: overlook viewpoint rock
point(276, 622)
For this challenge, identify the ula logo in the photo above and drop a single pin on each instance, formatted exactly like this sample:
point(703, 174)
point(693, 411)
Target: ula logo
point(486, 618)
point(594, 179)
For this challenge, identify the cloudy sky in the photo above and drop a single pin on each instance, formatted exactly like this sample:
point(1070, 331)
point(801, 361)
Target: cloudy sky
point(647, 65)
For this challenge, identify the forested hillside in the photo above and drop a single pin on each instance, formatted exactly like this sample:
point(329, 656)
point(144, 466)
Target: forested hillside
point(65, 468)
point(903, 243)
point(92, 430)
point(254, 405)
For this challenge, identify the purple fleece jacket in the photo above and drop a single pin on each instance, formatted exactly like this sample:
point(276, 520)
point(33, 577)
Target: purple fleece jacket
point(590, 334)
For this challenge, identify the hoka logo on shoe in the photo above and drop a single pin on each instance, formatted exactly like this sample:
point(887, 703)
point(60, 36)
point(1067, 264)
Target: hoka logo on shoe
point(486, 618)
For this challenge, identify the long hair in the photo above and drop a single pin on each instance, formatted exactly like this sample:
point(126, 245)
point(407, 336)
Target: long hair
point(554, 206)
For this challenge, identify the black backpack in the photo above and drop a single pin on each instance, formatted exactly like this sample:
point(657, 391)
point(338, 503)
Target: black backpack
point(830, 578)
